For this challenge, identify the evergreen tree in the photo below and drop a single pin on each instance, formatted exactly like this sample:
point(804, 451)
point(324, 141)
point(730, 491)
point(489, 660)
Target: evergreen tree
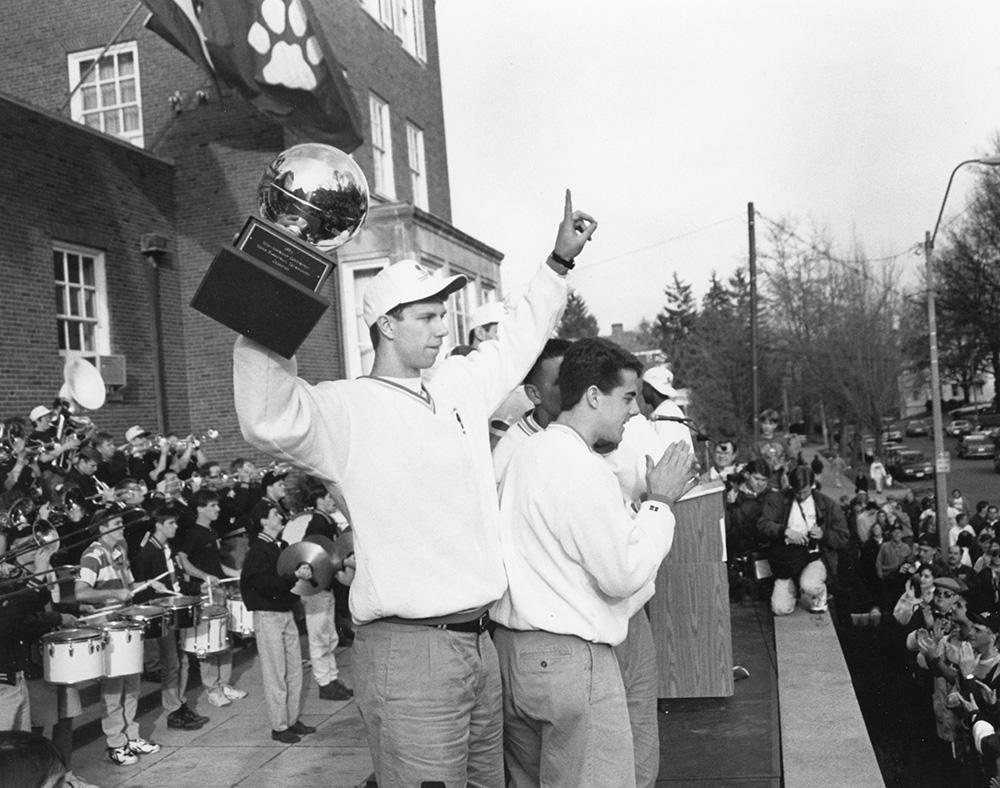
point(577, 322)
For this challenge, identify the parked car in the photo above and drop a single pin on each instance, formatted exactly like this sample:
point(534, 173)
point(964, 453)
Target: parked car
point(917, 427)
point(958, 427)
point(975, 444)
point(892, 435)
point(910, 464)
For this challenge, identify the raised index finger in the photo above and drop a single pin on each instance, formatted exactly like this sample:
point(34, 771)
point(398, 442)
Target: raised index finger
point(568, 210)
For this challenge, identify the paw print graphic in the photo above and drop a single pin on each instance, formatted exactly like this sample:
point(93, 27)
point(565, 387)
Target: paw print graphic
point(282, 32)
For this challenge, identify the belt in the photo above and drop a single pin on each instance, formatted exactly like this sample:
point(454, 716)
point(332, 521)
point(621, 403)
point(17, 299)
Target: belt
point(477, 625)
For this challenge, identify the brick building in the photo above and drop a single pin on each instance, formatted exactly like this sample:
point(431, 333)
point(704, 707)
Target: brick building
point(149, 145)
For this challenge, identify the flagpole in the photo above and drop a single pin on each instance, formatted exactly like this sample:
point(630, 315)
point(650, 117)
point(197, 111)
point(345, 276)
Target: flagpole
point(97, 60)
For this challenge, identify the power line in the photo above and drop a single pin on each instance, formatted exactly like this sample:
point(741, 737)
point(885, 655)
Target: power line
point(664, 242)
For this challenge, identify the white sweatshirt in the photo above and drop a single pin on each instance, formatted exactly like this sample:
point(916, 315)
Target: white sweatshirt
point(574, 555)
point(416, 475)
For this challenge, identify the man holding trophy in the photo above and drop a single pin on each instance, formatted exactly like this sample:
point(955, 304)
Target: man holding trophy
point(412, 459)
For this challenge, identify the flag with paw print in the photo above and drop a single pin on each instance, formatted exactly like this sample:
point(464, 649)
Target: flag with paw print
point(274, 53)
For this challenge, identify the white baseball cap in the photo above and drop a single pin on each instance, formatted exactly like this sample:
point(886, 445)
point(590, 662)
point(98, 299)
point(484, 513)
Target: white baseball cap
point(661, 379)
point(403, 283)
point(37, 412)
point(135, 432)
point(484, 314)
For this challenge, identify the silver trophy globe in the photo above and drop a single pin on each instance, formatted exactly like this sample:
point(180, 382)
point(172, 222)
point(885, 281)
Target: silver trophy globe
point(313, 199)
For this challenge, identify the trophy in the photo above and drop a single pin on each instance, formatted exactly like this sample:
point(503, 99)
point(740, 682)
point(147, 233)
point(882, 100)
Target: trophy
point(312, 199)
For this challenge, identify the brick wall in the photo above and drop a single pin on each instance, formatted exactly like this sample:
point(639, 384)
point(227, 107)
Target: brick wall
point(61, 182)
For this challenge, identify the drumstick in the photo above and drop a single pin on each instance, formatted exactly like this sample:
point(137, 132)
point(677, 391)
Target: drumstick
point(229, 580)
point(101, 613)
point(147, 583)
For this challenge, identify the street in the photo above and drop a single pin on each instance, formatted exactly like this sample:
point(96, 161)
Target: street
point(975, 478)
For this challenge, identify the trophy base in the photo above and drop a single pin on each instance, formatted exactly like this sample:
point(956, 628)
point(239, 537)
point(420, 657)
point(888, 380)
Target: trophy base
point(255, 300)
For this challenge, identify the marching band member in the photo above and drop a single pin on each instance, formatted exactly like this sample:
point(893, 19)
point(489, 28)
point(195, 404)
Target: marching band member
point(271, 599)
point(155, 558)
point(320, 608)
point(200, 559)
point(105, 577)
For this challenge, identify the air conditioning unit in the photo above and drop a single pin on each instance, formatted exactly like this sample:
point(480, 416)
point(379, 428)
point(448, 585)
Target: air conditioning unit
point(112, 369)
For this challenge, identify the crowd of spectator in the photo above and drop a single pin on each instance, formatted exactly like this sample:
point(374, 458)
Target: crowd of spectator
point(936, 606)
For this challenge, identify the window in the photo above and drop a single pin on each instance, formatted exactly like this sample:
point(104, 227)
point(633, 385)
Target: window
point(418, 165)
point(463, 305)
point(106, 95)
point(382, 148)
point(81, 301)
point(355, 278)
point(405, 19)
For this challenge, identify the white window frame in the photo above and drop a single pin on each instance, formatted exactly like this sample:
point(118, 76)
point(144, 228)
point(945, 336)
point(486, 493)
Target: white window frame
point(405, 20)
point(98, 115)
point(381, 123)
point(358, 351)
point(418, 165)
point(464, 305)
point(93, 323)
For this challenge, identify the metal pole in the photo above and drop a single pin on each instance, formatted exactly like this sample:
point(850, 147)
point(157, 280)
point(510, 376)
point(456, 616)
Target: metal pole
point(941, 459)
point(753, 319)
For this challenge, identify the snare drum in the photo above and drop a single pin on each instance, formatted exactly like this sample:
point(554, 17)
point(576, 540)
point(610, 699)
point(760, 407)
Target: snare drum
point(123, 648)
point(240, 619)
point(152, 618)
point(183, 609)
point(208, 636)
point(70, 656)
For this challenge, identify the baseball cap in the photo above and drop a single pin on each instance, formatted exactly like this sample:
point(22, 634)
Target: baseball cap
point(135, 432)
point(985, 618)
point(484, 314)
point(403, 283)
point(661, 379)
point(271, 477)
point(38, 411)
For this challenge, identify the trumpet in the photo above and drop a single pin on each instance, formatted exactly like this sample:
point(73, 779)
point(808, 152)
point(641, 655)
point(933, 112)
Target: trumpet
point(181, 445)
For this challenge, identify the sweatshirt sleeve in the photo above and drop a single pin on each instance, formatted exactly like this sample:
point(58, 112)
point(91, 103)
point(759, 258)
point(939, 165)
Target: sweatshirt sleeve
point(620, 552)
point(496, 367)
point(286, 417)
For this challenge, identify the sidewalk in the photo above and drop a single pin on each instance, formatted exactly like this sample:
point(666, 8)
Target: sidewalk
point(235, 747)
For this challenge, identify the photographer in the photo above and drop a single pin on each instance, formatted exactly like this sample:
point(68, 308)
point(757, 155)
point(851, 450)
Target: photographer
point(805, 528)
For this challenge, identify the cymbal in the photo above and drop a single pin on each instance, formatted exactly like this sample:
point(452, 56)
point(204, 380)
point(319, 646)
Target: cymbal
point(310, 553)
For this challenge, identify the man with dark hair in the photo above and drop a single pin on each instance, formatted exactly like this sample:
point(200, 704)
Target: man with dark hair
point(269, 596)
point(412, 458)
point(575, 562)
point(155, 558)
point(541, 388)
point(199, 556)
point(806, 529)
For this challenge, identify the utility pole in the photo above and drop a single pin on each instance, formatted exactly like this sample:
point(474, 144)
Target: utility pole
point(751, 228)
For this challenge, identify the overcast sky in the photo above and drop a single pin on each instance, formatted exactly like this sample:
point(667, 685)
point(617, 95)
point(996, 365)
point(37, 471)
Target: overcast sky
point(666, 118)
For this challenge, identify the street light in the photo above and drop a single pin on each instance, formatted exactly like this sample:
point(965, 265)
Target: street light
point(942, 463)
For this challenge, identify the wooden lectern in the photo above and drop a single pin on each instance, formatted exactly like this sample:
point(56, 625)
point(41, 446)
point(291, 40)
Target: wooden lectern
point(689, 614)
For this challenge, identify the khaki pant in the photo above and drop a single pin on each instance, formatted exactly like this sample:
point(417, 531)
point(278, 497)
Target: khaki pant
point(566, 722)
point(431, 703)
point(640, 674)
point(323, 639)
point(281, 665)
